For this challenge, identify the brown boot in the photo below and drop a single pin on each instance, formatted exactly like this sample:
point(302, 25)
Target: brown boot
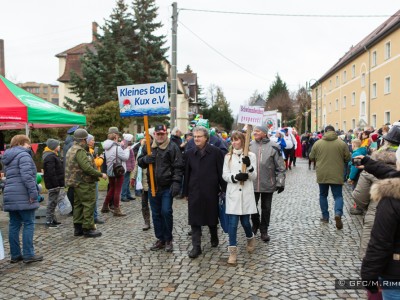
point(251, 244)
point(105, 209)
point(118, 212)
point(232, 255)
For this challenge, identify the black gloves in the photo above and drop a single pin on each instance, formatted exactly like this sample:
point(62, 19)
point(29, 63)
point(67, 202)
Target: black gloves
point(175, 189)
point(242, 176)
point(246, 161)
point(280, 189)
point(150, 159)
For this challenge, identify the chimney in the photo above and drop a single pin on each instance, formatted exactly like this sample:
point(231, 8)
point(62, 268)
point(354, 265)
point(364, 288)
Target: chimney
point(2, 68)
point(94, 31)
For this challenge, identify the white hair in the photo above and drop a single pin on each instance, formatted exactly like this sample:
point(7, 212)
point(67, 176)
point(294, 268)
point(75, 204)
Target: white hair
point(175, 130)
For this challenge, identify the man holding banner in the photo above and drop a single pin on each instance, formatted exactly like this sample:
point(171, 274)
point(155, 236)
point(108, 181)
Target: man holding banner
point(168, 165)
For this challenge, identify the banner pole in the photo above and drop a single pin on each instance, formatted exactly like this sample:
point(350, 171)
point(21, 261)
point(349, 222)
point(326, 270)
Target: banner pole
point(246, 147)
point(148, 148)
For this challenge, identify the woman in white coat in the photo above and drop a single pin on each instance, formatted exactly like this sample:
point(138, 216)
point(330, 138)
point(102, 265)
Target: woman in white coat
point(240, 201)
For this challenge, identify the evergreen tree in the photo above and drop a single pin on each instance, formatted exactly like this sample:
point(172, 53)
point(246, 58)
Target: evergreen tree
point(277, 87)
point(111, 63)
point(201, 99)
point(188, 69)
point(128, 52)
point(150, 47)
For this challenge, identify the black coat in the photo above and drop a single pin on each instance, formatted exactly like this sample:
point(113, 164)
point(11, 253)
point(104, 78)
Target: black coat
point(385, 234)
point(203, 183)
point(53, 170)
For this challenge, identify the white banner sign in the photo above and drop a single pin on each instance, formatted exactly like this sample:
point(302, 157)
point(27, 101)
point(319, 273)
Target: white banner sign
point(143, 100)
point(251, 115)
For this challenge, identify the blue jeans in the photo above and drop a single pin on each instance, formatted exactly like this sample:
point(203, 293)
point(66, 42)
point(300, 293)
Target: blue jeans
point(323, 199)
point(161, 212)
point(96, 214)
point(126, 192)
point(233, 225)
point(390, 293)
point(17, 219)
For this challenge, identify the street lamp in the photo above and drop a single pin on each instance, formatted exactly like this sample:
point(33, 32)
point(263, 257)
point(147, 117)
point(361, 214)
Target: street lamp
point(316, 100)
point(306, 116)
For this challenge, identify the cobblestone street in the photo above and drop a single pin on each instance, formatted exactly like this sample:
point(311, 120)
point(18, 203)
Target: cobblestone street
point(302, 260)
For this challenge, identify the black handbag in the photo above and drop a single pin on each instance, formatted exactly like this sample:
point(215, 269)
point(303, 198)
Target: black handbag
point(118, 168)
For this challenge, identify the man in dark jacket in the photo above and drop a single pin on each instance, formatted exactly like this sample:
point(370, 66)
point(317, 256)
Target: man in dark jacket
point(203, 184)
point(53, 175)
point(270, 178)
point(168, 168)
point(330, 154)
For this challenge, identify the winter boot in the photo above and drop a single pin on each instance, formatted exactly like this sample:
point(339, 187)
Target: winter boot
point(78, 231)
point(251, 244)
point(105, 209)
point(146, 218)
point(232, 255)
point(118, 212)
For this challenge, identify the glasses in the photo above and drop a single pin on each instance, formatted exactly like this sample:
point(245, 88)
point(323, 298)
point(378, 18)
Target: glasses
point(160, 133)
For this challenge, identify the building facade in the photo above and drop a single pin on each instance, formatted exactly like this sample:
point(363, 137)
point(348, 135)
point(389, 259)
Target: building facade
point(48, 92)
point(363, 87)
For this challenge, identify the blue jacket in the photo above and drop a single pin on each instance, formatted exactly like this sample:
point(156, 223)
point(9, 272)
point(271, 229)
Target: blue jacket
point(353, 170)
point(20, 192)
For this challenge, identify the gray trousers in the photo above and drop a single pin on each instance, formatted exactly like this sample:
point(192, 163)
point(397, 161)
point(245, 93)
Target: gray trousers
point(55, 196)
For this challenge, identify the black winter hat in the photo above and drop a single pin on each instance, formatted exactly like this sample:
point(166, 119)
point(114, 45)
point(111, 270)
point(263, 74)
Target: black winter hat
point(393, 136)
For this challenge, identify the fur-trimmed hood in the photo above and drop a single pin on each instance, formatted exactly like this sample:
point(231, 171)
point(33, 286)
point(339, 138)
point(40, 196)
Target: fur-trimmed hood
point(387, 188)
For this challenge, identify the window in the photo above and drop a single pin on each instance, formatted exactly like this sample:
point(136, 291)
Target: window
point(374, 59)
point(337, 126)
point(387, 117)
point(336, 104)
point(330, 107)
point(54, 90)
point(344, 101)
point(344, 126)
point(344, 76)
point(54, 101)
point(36, 90)
point(330, 84)
point(363, 80)
point(353, 71)
point(387, 85)
point(362, 108)
point(387, 50)
point(353, 123)
point(45, 90)
point(337, 80)
point(353, 98)
point(373, 91)
point(373, 121)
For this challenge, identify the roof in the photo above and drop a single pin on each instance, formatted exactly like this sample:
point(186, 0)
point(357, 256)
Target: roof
point(383, 30)
point(190, 78)
point(73, 60)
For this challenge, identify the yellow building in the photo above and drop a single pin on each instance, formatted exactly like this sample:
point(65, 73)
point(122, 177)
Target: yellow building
point(363, 87)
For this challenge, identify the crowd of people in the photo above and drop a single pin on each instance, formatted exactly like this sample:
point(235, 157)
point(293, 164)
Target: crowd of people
point(184, 163)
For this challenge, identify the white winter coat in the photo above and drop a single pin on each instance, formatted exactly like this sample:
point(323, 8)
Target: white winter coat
point(240, 199)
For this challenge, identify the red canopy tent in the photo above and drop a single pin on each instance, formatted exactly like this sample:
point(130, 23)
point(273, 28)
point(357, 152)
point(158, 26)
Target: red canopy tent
point(21, 109)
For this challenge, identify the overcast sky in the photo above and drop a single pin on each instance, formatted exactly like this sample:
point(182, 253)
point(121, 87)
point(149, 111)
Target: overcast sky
point(252, 48)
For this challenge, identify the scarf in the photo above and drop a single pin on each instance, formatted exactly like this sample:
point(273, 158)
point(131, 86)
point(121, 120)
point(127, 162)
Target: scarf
point(138, 185)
